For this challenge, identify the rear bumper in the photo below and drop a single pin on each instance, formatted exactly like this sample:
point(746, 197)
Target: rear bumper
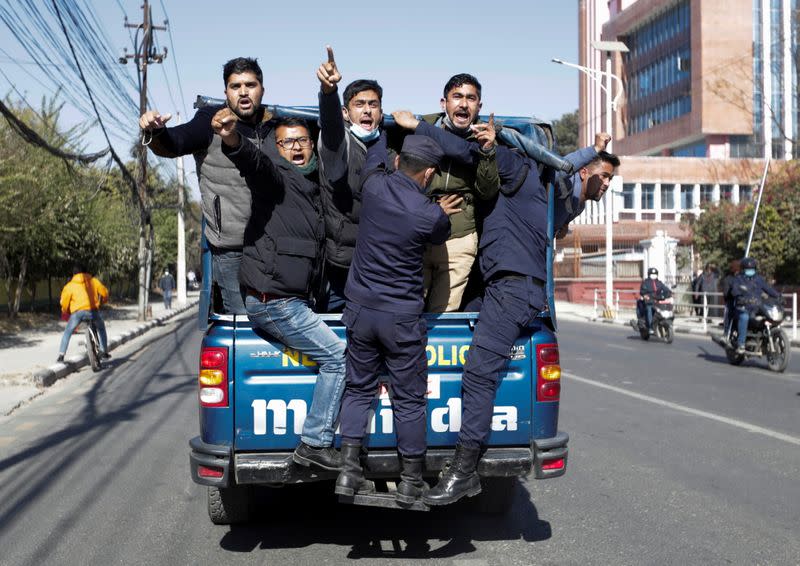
point(277, 468)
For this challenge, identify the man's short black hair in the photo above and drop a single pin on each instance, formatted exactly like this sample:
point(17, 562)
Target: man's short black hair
point(242, 65)
point(460, 80)
point(411, 164)
point(604, 156)
point(360, 86)
point(79, 267)
point(292, 121)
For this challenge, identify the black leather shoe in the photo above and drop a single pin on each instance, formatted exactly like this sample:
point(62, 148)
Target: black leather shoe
point(60, 358)
point(105, 355)
point(457, 480)
point(327, 458)
point(351, 480)
point(411, 486)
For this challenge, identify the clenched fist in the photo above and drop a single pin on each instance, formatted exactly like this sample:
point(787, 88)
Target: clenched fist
point(601, 141)
point(224, 125)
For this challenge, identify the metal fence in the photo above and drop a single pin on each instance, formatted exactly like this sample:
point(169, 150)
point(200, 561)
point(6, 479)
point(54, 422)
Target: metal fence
point(708, 305)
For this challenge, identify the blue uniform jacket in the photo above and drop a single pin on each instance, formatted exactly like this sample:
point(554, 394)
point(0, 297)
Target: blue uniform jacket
point(397, 222)
point(514, 237)
point(654, 290)
point(746, 291)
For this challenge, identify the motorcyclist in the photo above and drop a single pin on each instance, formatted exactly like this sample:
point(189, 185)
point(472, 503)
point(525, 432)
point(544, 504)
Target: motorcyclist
point(651, 291)
point(746, 291)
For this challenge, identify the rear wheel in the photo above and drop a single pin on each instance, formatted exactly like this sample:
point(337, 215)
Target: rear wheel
point(779, 359)
point(92, 350)
point(229, 505)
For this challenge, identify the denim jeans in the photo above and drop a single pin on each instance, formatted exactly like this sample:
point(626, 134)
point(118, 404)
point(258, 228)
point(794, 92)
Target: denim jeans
point(743, 317)
point(75, 319)
point(225, 271)
point(292, 321)
point(168, 299)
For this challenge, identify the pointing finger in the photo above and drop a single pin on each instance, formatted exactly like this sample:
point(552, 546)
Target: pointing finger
point(330, 53)
point(491, 121)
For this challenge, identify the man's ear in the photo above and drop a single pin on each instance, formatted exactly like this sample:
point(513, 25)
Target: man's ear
point(345, 114)
point(584, 173)
point(397, 162)
point(442, 103)
point(429, 173)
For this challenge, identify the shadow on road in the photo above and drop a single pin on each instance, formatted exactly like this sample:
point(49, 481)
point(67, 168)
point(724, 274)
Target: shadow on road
point(301, 516)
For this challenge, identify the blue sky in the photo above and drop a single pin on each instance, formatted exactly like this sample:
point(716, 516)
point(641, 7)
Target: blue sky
point(410, 47)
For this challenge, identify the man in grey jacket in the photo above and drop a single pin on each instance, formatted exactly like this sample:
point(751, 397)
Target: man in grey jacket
point(224, 193)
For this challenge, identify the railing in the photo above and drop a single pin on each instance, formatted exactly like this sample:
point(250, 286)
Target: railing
point(708, 307)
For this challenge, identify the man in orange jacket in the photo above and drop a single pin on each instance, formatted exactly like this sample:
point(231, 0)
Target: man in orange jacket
point(81, 299)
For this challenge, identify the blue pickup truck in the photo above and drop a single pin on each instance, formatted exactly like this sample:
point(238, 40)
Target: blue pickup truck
point(253, 395)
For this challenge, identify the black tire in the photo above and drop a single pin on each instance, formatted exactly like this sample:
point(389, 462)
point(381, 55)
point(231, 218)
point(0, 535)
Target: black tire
point(92, 350)
point(229, 505)
point(496, 496)
point(644, 333)
point(779, 361)
point(666, 332)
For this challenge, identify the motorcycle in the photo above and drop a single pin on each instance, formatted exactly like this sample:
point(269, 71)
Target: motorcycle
point(662, 320)
point(765, 338)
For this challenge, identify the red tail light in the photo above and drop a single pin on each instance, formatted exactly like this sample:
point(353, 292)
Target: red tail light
point(213, 378)
point(556, 464)
point(209, 472)
point(548, 376)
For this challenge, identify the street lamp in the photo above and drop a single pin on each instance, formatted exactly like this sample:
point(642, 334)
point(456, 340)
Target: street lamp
point(611, 105)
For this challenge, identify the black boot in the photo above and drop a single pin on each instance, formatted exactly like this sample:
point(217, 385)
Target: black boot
point(456, 480)
point(351, 480)
point(411, 484)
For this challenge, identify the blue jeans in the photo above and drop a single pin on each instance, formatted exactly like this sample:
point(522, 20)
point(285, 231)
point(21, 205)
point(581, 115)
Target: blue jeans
point(743, 317)
point(292, 321)
point(74, 320)
point(225, 272)
point(168, 299)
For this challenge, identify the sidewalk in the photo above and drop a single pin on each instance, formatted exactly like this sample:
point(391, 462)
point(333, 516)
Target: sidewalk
point(28, 358)
point(681, 324)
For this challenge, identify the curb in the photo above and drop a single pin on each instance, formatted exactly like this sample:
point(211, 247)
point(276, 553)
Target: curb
point(48, 376)
point(678, 329)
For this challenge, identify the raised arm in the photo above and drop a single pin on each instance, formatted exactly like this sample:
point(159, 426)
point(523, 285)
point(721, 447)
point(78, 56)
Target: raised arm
point(195, 135)
point(248, 158)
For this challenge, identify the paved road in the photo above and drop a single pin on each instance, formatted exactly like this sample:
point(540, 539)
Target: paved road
point(676, 457)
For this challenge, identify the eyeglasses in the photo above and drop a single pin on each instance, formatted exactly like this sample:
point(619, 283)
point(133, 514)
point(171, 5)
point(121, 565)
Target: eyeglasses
point(288, 143)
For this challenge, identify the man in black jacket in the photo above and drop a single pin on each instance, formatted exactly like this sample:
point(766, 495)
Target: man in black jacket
point(346, 133)
point(282, 253)
point(224, 194)
point(651, 291)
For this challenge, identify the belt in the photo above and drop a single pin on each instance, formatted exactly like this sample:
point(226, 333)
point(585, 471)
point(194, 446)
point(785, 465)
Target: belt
point(512, 276)
point(263, 297)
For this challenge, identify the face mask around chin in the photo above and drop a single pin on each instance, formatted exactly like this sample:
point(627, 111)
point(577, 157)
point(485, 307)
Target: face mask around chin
point(654, 276)
point(364, 135)
point(749, 272)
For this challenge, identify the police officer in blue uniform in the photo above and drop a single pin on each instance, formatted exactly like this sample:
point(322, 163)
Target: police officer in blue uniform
point(512, 256)
point(746, 292)
point(383, 314)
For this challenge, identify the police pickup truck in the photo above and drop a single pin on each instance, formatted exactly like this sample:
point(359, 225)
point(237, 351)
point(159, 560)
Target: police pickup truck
point(254, 393)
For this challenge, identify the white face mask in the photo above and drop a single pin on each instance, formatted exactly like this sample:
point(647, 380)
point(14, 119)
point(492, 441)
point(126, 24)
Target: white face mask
point(365, 135)
point(749, 272)
point(653, 276)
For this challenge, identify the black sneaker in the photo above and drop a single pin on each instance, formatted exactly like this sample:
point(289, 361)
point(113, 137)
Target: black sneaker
point(105, 355)
point(327, 458)
point(60, 358)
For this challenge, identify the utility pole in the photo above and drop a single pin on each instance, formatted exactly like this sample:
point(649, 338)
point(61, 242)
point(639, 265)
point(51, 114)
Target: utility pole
point(143, 55)
point(181, 267)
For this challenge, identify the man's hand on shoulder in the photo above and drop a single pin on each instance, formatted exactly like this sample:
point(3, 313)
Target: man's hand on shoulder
point(328, 73)
point(152, 120)
point(224, 125)
point(405, 119)
point(601, 141)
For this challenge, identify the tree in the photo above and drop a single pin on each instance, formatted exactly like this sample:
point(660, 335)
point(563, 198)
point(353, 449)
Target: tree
point(565, 130)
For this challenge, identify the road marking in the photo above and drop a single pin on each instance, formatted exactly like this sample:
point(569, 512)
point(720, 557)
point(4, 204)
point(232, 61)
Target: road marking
point(696, 412)
point(620, 347)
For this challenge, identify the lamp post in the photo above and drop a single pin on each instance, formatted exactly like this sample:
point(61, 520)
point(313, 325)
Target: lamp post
point(611, 105)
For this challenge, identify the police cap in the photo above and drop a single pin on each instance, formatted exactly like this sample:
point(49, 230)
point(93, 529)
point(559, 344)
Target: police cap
point(747, 263)
point(424, 148)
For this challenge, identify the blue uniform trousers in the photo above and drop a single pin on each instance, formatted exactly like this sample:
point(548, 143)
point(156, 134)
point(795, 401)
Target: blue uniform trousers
point(378, 339)
point(510, 304)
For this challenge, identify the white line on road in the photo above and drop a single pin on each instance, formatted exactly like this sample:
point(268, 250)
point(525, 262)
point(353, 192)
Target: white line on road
point(618, 347)
point(712, 416)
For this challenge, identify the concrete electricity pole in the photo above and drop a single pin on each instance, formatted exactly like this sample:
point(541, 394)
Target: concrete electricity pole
point(143, 55)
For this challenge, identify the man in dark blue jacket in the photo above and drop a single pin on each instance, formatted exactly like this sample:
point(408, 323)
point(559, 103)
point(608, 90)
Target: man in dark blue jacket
point(347, 130)
point(224, 194)
point(282, 254)
point(384, 307)
point(746, 291)
point(651, 291)
point(512, 258)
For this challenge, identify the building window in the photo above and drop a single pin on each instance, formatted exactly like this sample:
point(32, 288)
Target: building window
point(726, 192)
point(745, 193)
point(667, 197)
point(706, 193)
point(648, 196)
point(628, 196)
point(687, 197)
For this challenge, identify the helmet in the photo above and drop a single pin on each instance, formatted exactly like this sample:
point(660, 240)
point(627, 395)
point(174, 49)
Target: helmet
point(748, 263)
point(652, 271)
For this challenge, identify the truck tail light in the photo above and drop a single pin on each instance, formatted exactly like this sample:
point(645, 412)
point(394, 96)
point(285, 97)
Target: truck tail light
point(213, 378)
point(556, 464)
point(209, 472)
point(548, 376)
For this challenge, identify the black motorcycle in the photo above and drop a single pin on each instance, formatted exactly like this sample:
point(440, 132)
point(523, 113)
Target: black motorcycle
point(765, 338)
point(662, 320)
